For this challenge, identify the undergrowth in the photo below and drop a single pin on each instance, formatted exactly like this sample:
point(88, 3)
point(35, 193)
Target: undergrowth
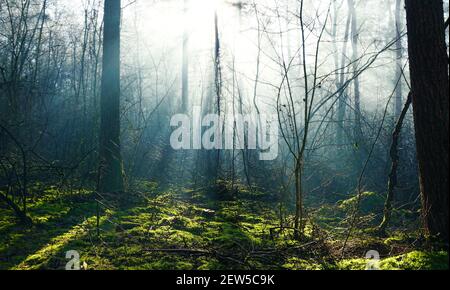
point(189, 229)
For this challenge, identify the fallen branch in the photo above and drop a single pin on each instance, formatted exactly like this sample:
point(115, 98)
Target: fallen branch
point(23, 217)
point(187, 251)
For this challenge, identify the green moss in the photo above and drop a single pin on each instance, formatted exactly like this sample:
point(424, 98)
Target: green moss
point(301, 264)
point(133, 236)
point(210, 264)
point(369, 202)
point(231, 237)
point(395, 239)
point(417, 260)
point(352, 264)
point(164, 263)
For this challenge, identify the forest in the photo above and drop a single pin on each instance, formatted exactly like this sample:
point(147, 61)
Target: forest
point(224, 135)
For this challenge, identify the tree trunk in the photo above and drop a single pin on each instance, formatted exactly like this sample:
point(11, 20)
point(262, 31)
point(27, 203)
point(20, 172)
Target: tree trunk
point(357, 96)
point(430, 91)
point(398, 59)
point(395, 161)
point(218, 86)
point(111, 178)
point(342, 95)
point(298, 221)
point(185, 65)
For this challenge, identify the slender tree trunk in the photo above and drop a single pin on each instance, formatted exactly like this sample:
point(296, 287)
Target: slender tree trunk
point(218, 87)
point(357, 96)
point(42, 16)
point(395, 158)
point(111, 176)
point(298, 221)
point(430, 92)
point(398, 59)
point(342, 95)
point(185, 65)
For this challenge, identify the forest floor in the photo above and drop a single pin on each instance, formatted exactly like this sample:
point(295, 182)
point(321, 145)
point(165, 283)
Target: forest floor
point(183, 229)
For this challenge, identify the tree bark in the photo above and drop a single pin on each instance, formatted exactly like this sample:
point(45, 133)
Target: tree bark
point(430, 92)
point(111, 176)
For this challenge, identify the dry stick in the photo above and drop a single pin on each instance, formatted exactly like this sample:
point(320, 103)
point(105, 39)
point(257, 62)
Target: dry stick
point(361, 176)
point(187, 251)
point(395, 161)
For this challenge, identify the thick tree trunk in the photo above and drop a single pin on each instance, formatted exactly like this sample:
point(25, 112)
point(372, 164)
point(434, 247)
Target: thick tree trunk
point(430, 91)
point(111, 176)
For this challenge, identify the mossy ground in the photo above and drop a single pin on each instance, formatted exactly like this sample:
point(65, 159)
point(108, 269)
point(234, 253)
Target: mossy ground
point(187, 230)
